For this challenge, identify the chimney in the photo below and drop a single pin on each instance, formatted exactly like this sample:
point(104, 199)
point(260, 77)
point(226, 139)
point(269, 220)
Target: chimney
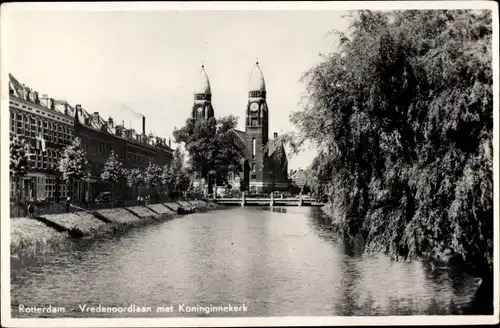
point(275, 135)
point(169, 143)
point(143, 124)
point(47, 102)
point(78, 108)
point(24, 92)
point(33, 97)
point(110, 122)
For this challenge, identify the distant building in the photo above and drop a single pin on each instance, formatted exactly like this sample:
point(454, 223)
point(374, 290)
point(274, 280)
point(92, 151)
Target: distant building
point(49, 125)
point(299, 178)
point(265, 171)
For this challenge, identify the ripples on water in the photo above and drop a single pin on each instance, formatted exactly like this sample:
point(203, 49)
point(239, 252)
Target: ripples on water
point(279, 263)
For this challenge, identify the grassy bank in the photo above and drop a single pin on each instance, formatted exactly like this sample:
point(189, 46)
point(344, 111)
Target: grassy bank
point(49, 233)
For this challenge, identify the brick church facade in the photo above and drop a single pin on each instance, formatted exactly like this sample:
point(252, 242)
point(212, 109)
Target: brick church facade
point(264, 170)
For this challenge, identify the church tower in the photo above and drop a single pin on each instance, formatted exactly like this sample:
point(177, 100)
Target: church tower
point(256, 129)
point(202, 108)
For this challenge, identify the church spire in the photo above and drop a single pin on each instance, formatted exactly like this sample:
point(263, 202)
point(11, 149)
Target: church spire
point(203, 84)
point(257, 85)
point(202, 96)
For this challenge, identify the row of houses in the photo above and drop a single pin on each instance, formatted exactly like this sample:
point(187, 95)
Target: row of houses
point(49, 125)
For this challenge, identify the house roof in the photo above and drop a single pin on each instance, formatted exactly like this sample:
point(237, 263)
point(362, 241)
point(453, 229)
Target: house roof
point(15, 83)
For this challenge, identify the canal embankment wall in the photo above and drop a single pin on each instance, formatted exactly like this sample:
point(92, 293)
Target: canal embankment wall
point(43, 234)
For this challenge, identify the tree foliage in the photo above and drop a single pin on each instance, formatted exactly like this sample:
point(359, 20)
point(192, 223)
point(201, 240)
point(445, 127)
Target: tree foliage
point(403, 116)
point(135, 177)
point(113, 169)
point(73, 163)
point(153, 174)
point(211, 147)
point(176, 175)
point(19, 156)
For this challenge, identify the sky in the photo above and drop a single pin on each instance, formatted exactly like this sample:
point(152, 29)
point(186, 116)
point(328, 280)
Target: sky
point(149, 61)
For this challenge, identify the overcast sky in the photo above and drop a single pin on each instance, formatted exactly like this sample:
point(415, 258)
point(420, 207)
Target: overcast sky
point(149, 61)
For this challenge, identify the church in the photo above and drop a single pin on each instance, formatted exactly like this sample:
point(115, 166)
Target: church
point(262, 170)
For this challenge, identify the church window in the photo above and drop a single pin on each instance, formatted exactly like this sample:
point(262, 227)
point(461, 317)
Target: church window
point(253, 147)
point(199, 112)
point(254, 118)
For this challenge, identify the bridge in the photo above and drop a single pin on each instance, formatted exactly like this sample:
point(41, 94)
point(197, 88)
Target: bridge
point(269, 201)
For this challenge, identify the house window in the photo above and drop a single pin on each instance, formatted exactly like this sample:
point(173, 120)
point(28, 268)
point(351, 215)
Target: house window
point(12, 121)
point(12, 189)
point(38, 159)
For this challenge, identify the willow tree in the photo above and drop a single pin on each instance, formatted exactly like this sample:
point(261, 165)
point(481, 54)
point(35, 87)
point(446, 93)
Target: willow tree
point(402, 113)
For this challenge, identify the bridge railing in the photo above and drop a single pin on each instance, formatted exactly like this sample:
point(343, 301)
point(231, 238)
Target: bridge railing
point(271, 199)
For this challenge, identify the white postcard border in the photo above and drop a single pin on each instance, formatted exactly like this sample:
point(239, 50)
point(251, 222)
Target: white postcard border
point(8, 321)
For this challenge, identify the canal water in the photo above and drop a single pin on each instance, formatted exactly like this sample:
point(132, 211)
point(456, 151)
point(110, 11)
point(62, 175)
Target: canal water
point(284, 262)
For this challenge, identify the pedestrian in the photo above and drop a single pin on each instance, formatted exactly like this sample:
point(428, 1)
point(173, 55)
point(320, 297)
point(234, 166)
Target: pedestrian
point(30, 209)
point(67, 204)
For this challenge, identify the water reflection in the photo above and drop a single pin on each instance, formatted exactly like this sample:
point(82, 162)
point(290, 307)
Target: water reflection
point(279, 262)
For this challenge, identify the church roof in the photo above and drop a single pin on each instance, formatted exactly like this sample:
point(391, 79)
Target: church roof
point(257, 82)
point(241, 134)
point(203, 83)
point(276, 149)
